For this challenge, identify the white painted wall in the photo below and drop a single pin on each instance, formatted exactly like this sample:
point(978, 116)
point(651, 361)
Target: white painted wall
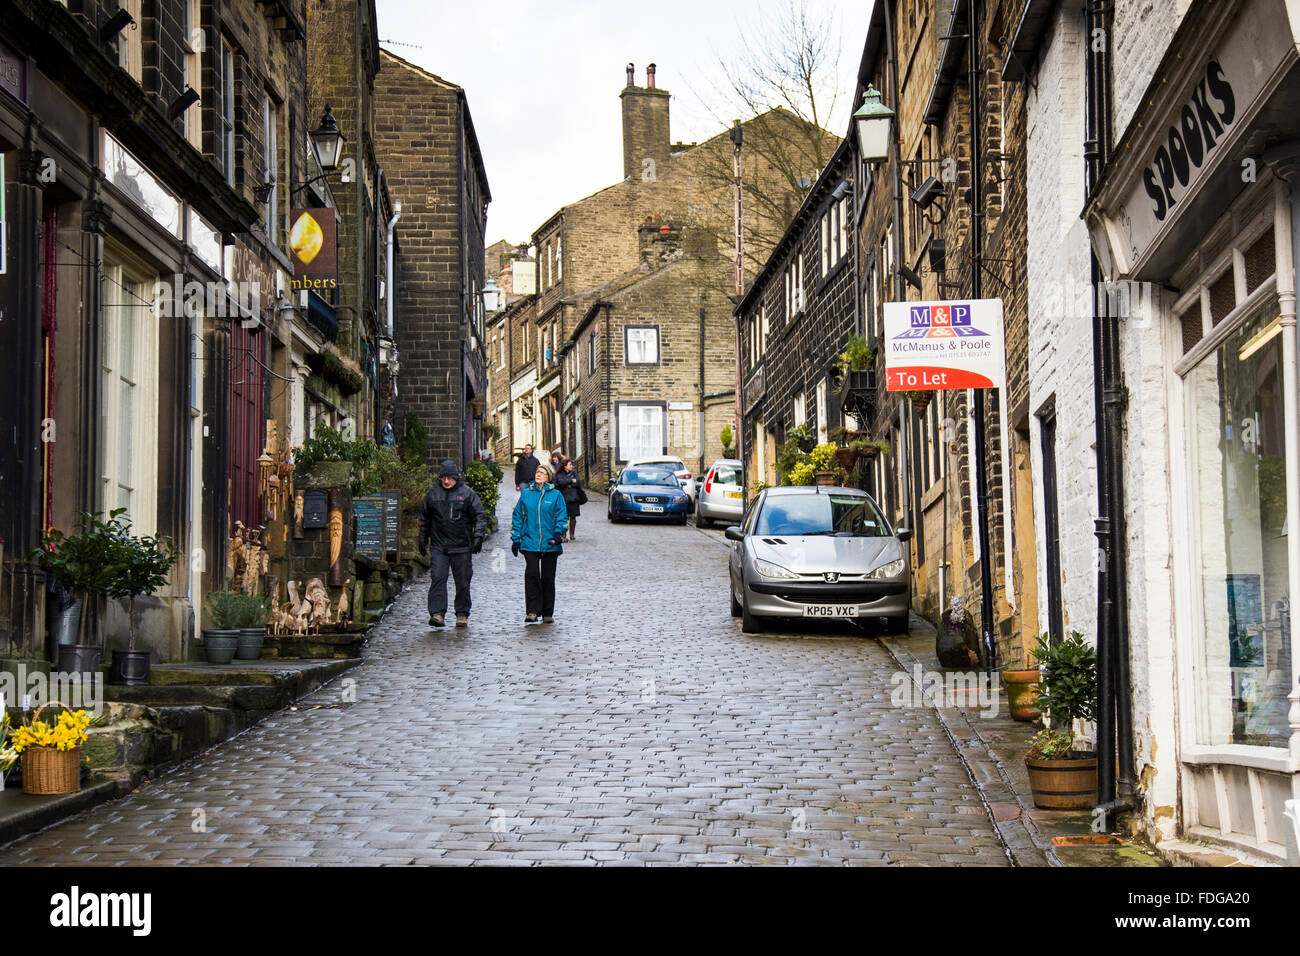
point(1142, 31)
point(1060, 314)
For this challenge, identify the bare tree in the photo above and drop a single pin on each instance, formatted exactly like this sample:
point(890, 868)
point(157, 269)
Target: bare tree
point(784, 89)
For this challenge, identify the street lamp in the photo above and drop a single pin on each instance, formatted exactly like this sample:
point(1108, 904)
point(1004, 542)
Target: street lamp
point(874, 121)
point(491, 295)
point(327, 141)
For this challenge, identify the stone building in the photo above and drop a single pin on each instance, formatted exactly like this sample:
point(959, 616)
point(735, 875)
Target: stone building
point(157, 149)
point(430, 154)
point(600, 241)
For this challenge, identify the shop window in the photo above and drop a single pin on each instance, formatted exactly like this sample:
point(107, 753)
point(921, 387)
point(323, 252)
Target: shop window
point(1260, 261)
point(1237, 471)
point(1223, 296)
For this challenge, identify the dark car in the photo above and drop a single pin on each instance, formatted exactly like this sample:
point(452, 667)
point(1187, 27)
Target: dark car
point(648, 491)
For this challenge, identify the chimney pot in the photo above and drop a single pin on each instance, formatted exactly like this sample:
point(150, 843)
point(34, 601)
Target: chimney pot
point(650, 76)
point(631, 74)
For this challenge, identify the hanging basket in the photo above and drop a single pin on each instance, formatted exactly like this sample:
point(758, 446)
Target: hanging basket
point(847, 458)
point(49, 771)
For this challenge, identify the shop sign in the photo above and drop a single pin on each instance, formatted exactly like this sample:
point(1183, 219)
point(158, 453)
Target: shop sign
point(1185, 139)
point(944, 345)
point(13, 73)
point(313, 249)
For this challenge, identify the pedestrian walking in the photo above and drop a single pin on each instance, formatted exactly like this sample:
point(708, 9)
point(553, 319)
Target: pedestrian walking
point(453, 527)
point(557, 461)
point(570, 485)
point(537, 528)
point(525, 467)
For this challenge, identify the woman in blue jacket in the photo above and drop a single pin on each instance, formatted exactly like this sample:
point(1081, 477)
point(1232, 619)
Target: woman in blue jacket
point(537, 527)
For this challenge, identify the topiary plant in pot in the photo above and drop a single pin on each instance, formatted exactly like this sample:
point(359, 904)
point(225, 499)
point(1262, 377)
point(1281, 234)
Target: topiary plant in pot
point(221, 640)
point(142, 566)
point(1061, 777)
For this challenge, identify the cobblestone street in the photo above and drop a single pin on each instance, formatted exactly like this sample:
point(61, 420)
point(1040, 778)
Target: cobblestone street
point(641, 727)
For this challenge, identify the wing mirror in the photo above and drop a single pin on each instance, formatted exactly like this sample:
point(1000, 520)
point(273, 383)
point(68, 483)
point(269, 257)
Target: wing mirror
point(734, 533)
point(903, 534)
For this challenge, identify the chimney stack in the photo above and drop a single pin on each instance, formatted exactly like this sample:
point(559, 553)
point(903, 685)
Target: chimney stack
point(646, 140)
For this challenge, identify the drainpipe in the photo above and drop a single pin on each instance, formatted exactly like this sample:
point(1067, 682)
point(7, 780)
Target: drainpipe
point(700, 471)
point(1114, 706)
point(388, 289)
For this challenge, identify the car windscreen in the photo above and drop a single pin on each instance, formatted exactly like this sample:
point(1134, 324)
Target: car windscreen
point(727, 475)
point(828, 514)
point(648, 476)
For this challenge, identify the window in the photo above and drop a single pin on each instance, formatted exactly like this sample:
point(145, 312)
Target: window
point(129, 53)
point(794, 287)
point(270, 167)
point(762, 331)
point(834, 235)
point(559, 259)
point(129, 392)
point(822, 425)
point(502, 361)
point(640, 431)
point(800, 409)
point(225, 132)
point(822, 514)
point(192, 51)
point(642, 344)
point(591, 351)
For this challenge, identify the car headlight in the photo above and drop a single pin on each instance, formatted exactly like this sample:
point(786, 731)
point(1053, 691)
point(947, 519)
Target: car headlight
point(891, 570)
point(770, 570)
point(616, 497)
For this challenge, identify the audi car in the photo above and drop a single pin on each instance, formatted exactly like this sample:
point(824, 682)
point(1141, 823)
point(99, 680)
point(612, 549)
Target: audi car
point(678, 468)
point(648, 491)
point(818, 552)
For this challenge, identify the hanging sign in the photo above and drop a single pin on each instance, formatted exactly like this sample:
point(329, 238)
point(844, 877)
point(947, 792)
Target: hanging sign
point(944, 345)
point(313, 248)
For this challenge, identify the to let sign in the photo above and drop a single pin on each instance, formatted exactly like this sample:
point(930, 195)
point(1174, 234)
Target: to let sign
point(944, 345)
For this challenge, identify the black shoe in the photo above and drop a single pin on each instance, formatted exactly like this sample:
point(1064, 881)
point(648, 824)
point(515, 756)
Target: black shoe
point(436, 620)
point(548, 619)
point(529, 619)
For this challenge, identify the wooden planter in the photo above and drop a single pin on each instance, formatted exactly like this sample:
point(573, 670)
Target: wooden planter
point(826, 478)
point(1063, 784)
point(1022, 693)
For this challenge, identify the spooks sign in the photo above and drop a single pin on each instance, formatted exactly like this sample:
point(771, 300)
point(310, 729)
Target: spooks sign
point(1189, 128)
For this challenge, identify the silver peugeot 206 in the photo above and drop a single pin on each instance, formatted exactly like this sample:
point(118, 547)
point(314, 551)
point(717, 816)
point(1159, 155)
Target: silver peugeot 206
point(818, 552)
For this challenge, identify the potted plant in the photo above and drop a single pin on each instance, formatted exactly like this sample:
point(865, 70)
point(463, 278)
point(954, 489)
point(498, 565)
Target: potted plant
point(920, 399)
point(1061, 777)
point(801, 438)
point(727, 437)
point(252, 613)
point(822, 459)
point(84, 564)
point(222, 639)
point(491, 431)
point(8, 756)
point(1022, 690)
point(51, 751)
point(142, 566)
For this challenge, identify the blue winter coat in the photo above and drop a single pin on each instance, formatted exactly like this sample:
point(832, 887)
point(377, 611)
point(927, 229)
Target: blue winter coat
point(540, 514)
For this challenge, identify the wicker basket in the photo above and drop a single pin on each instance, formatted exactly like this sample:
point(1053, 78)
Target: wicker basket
point(49, 771)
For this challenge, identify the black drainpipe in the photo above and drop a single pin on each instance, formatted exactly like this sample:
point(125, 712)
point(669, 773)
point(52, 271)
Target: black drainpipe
point(1114, 704)
point(702, 419)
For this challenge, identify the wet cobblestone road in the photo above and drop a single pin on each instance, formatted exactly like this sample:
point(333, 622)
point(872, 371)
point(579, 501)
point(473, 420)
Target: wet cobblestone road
point(641, 727)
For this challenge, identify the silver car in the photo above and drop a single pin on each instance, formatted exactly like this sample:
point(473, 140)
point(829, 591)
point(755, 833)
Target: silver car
point(821, 553)
point(721, 495)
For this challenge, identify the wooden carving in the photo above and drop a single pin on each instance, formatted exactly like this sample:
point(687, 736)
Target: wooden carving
point(336, 536)
point(297, 516)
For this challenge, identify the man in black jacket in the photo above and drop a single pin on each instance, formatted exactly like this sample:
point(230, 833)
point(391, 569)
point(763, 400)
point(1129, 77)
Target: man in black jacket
point(525, 468)
point(453, 527)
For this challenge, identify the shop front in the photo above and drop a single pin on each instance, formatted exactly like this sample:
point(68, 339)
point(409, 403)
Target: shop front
point(1201, 206)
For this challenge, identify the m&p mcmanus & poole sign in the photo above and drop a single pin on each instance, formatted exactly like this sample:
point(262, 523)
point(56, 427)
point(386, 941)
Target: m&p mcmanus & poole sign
point(944, 345)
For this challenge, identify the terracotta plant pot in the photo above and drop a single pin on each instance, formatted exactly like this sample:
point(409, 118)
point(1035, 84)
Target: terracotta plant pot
point(1022, 693)
point(1063, 784)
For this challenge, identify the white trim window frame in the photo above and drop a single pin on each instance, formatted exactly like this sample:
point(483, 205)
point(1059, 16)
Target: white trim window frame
point(642, 344)
point(641, 430)
point(129, 398)
point(192, 64)
point(270, 166)
point(225, 118)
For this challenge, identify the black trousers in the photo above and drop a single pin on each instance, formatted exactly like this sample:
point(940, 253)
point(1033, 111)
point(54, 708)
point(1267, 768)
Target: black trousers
point(539, 582)
point(461, 566)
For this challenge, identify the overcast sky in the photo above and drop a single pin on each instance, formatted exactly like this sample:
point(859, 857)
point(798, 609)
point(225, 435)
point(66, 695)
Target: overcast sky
point(543, 79)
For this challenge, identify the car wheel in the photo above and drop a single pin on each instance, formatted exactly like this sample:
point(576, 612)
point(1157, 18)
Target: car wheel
point(896, 624)
point(735, 605)
point(610, 516)
point(702, 522)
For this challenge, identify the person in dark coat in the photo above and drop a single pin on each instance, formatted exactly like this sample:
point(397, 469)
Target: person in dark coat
point(570, 485)
point(525, 468)
point(452, 527)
